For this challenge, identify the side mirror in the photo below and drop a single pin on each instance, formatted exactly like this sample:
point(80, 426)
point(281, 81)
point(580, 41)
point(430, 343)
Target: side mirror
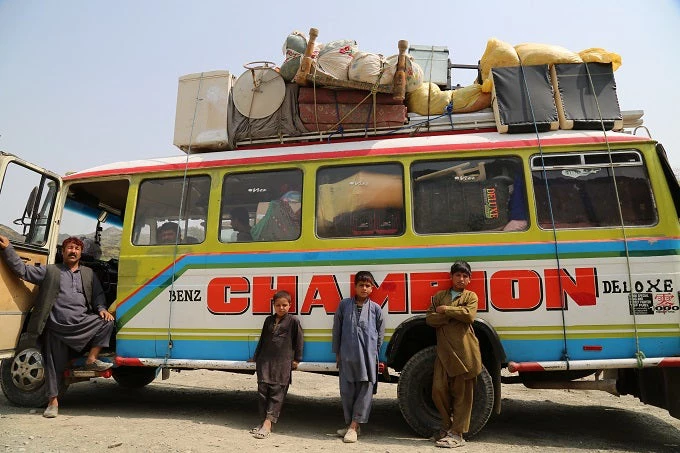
point(29, 210)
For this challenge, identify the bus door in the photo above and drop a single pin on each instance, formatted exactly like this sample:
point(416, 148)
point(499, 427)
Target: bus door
point(28, 196)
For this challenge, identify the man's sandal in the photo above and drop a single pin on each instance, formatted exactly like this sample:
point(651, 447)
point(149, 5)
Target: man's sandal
point(255, 429)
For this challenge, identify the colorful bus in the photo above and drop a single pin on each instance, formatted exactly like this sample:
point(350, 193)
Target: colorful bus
point(573, 237)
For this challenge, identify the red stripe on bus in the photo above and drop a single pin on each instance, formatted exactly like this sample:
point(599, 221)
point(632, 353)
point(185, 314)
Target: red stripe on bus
point(514, 367)
point(670, 362)
point(127, 361)
point(301, 157)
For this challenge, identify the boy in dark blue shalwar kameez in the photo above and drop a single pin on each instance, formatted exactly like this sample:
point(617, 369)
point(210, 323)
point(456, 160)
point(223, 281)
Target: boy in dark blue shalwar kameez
point(358, 332)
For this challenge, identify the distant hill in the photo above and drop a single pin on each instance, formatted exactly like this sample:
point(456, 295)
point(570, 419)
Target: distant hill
point(110, 241)
point(10, 233)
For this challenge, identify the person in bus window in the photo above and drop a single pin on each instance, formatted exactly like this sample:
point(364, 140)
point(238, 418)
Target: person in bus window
point(240, 222)
point(358, 332)
point(458, 359)
point(69, 313)
point(278, 352)
point(168, 233)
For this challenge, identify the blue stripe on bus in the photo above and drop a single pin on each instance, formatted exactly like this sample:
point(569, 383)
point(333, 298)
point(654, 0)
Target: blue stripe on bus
point(405, 254)
point(612, 348)
point(216, 350)
point(516, 350)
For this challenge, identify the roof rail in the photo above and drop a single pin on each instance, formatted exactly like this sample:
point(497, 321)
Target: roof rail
point(475, 121)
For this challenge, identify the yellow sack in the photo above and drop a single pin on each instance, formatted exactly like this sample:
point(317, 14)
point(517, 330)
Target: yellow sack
point(600, 55)
point(497, 54)
point(466, 99)
point(533, 54)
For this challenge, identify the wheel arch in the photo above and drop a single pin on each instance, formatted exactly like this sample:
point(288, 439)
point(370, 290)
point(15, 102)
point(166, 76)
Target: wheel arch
point(414, 335)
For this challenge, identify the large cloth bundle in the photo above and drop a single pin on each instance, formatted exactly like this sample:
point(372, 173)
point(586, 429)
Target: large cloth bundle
point(429, 99)
point(335, 57)
point(293, 49)
point(371, 68)
point(499, 54)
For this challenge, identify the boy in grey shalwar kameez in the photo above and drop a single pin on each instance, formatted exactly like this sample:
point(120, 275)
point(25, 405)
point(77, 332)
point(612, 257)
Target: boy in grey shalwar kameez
point(358, 332)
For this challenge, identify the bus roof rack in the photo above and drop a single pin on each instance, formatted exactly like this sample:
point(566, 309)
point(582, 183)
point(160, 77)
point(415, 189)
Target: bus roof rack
point(482, 120)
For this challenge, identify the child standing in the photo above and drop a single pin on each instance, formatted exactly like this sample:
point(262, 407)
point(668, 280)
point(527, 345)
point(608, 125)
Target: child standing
point(278, 352)
point(458, 359)
point(358, 332)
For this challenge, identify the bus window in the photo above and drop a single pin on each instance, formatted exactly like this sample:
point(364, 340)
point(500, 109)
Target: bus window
point(467, 195)
point(583, 193)
point(27, 199)
point(158, 206)
point(361, 200)
point(261, 206)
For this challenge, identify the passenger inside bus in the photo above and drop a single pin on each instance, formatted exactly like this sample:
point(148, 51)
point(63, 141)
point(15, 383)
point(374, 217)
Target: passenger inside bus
point(240, 222)
point(168, 233)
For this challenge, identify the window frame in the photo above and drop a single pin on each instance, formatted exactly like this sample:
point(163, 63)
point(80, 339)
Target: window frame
point(637, 159)
point(516, 160)
point(140, 184)
point(222, 216)
point(361, 167)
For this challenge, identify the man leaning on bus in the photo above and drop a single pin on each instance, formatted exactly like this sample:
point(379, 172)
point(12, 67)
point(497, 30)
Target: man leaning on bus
point(69, 312)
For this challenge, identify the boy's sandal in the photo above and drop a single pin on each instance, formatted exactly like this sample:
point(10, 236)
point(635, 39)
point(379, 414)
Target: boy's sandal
point(450, 442)
point(255, 429)
point(342, 431)
point(351, 436)
point(261, 434)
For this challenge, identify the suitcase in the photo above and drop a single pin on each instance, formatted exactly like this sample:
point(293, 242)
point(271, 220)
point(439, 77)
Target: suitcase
point(522, 96)
point(578, 106)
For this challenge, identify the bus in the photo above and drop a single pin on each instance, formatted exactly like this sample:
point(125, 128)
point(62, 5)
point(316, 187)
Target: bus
point(573, 237)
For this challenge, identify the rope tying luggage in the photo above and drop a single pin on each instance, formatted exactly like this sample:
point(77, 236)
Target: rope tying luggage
point(565, 351)
point(168, 352)
point(639, 355)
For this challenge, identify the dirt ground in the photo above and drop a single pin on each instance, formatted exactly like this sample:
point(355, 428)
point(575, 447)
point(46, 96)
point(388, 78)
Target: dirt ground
point(206, 411)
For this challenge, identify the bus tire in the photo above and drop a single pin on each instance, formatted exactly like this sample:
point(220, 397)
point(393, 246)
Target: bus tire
point(414, 392)
point(22, 379)
point(134, 377)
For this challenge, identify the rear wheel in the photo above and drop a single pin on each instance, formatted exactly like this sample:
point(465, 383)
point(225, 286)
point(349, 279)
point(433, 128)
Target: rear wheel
point(22, 379)
point(415, 396)
point(134, 376)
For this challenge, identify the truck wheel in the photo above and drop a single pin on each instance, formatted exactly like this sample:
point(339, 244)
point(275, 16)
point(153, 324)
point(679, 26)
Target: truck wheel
point(23, 379)
point(415, 396)
point(134, 376)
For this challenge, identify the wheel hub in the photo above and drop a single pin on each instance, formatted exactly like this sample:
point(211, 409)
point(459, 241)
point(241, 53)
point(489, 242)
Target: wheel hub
point(27, 370)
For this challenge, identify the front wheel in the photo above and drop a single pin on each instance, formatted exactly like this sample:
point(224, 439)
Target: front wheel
point(415, 396)
point(23, 379)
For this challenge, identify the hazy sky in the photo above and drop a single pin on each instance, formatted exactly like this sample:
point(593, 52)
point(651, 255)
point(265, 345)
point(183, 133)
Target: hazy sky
point(84, 83)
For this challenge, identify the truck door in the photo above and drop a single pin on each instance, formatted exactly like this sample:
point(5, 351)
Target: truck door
point(28, 196)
